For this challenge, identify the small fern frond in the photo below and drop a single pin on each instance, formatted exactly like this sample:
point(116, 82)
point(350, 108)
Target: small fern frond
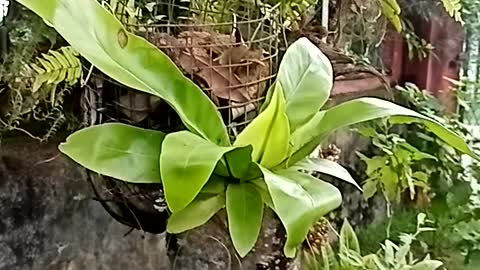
point(55, 127)
point(57, 66)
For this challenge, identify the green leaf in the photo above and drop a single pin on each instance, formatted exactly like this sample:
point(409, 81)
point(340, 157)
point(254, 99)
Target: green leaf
point(268, 133)
point(238, 162)
point(195, 214)
point(262, 188)
point(420, 176)
point(348, 238)
point(215, 185)
point(301, 137)
point(120, 151)
point(327, 167)
point(369, 189)
point(373, 164)
point(99, 37)
point(427, 265)
point(328, 257)
point(299, 200)
point(391, 10)
point(306, 77)
point(186, 164)
point(401, 255)
point(389, 180)
point(245, 214)
point(389, 249)
point(362, 110)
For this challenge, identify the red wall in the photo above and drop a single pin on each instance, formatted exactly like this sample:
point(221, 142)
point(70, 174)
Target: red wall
point(431, 72)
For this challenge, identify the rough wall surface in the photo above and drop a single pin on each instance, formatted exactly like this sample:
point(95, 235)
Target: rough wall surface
point(50, 222)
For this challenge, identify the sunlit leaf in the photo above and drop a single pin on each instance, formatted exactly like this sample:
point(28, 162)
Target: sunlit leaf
point(306, 77)
point(268, 133)
point(120, 151)
point(245, 214)
point(299, 200)
point(366, 109)
point(391, 10)
point(327, 167)
point(186, 164)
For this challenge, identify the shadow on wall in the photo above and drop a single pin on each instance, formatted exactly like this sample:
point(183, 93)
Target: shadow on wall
point(50, 222)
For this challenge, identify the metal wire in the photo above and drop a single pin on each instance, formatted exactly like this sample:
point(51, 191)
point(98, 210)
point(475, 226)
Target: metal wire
point(205, 38)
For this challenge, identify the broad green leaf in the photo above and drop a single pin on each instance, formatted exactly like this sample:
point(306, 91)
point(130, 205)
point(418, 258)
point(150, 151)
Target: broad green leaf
point(366, 109)
point(302, 136)
point(299, 200)
point(348, 238)
point(201, 210)
point(186, 164)
point(306, 77)
point(120, 151)
point(327, 167)
point(238, 162)
point(427, 265)
point(262, 188)
point(99, 37)
point(245, 214)
point(268, 133)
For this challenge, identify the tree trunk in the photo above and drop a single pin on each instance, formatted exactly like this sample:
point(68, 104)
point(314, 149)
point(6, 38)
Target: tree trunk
point(209, 248)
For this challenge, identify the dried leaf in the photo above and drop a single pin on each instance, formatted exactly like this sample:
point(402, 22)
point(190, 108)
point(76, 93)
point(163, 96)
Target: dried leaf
point(233, 55)
point(219, 79)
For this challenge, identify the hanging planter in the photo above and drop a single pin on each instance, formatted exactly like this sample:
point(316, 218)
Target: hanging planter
point(230, 52)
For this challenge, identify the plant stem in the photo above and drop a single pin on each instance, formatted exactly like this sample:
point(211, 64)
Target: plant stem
point(389, 216)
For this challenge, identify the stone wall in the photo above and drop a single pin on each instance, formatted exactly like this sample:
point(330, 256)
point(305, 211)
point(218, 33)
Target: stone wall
point(50, 222)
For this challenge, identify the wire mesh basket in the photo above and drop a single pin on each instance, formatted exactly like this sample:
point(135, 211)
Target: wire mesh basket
point(230, 49)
